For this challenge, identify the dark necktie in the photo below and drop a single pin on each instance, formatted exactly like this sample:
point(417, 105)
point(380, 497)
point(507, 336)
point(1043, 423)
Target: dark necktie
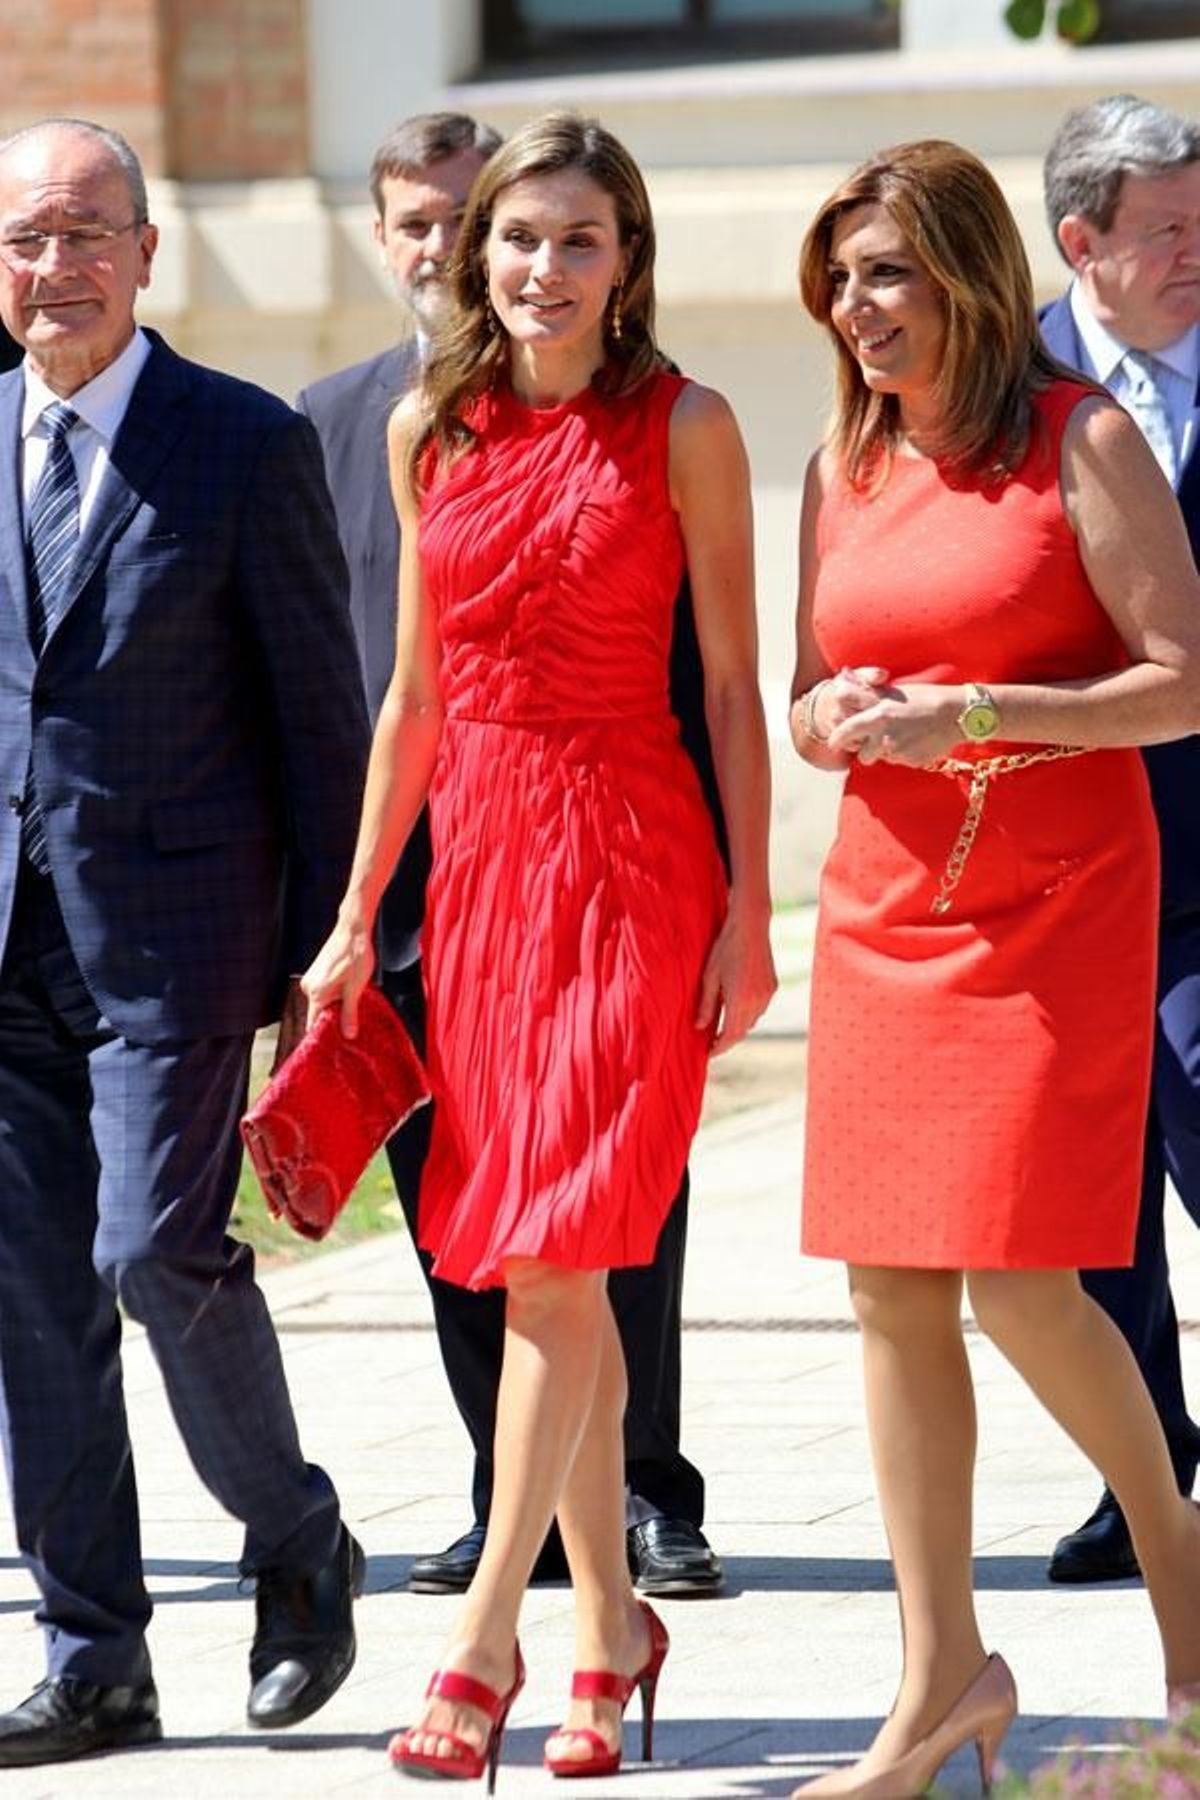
point(53, 535)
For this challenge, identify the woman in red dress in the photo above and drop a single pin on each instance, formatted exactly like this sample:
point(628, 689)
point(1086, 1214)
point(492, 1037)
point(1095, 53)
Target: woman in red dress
point(997, 602)
point(584, 952)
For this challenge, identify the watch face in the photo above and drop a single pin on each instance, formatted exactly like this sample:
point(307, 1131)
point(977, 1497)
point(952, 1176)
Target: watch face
point(979, 720)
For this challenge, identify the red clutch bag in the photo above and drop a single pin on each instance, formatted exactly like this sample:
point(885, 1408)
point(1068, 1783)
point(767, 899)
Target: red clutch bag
point(320, 1119)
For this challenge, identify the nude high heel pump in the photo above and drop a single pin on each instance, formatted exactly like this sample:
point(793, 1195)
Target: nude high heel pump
point(465, 1762)
point(984, 1712)
point(604, 1684)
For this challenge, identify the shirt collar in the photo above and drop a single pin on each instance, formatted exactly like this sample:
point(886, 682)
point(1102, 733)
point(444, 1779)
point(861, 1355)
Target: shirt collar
point(100, 402)
point(1106, 352)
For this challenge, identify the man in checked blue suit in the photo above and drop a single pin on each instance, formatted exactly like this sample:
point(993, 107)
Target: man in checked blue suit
point(1122, 182)
point(182, 740)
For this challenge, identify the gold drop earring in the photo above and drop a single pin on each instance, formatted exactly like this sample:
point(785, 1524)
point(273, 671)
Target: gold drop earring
point(614, 323)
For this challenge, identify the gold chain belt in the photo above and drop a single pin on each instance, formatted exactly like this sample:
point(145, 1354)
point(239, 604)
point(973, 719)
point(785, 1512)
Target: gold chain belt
point(981, 773)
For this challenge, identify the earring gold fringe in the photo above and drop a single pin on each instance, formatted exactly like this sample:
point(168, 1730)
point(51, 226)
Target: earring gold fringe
point(614, 323)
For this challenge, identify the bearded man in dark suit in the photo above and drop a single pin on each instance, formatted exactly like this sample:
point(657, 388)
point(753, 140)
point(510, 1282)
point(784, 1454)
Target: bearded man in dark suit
point(182, 747)
point(420, 180)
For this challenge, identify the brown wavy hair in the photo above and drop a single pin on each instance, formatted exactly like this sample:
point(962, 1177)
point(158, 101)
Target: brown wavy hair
point(471, 351)
point(951, 210)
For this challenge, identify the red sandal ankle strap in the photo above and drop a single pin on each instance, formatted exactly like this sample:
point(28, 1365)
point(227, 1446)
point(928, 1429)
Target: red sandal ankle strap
point(451, 1684)
point(601, 1684)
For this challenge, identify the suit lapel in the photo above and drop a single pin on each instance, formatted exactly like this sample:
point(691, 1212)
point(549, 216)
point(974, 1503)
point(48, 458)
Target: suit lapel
point(1061, 338)
point(14, 575)
point(395, 374)
point(1188, 488)
point(153, 424)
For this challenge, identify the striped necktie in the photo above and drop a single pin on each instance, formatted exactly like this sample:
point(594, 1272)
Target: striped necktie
point(1148, 404)
point(53, 523)
point(53, 534)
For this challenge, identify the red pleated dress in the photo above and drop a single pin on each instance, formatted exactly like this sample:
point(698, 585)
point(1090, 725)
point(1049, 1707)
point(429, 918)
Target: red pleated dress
point(978, 1080)
point(576, 887)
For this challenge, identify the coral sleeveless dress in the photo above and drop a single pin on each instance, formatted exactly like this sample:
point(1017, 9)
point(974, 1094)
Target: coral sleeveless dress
point(576, 887)
point(978, 1079)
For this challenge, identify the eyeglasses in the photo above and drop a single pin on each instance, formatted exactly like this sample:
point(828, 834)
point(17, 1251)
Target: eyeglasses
point(86, 243)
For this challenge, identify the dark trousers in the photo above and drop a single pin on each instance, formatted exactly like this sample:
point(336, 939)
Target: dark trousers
point(1139, 1299)
point(118, 1168)
point(647, 1304)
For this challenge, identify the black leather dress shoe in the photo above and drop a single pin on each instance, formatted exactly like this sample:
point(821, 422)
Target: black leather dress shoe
point(64, 1718)
point(448, 1571)
point(304, 1642)
point(672, 1557)
point(1101, 1550)
point(452, 1570)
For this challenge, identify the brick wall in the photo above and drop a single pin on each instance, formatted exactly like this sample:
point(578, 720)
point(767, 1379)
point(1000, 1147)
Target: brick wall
point(237, 88)
point(205, 90)
point(91, 59)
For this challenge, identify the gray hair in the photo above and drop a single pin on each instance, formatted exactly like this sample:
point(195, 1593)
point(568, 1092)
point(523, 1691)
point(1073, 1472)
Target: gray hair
point(414, 144)
point(1096, 146)
point(119, 148)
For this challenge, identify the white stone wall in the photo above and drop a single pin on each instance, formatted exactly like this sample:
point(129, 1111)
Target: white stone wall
point(280, 281)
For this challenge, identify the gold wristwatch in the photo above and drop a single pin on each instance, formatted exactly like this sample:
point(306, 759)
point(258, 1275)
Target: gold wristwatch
point(979, 719)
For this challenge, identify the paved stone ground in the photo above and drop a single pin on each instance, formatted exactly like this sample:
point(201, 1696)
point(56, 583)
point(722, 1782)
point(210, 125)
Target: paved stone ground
point(788, 1671)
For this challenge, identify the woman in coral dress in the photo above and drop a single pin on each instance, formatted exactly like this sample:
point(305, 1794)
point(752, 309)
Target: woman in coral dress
point(997, 602)
point(584, 951)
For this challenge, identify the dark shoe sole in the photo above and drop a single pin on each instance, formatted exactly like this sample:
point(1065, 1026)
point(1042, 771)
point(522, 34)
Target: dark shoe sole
point(127, 1737)
point(439, 1584)
point(680, 1587)
point(1087, 1574)
point(453, 1584)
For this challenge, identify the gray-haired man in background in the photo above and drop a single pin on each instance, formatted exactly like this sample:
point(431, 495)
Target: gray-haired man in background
point(1122, 181)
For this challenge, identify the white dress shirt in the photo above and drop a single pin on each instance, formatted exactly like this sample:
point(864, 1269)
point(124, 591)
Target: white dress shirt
point(101, 405)
point(1177, 376)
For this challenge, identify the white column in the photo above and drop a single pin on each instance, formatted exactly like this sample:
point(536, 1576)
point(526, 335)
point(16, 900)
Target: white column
point(954, 25)
point(371, 63)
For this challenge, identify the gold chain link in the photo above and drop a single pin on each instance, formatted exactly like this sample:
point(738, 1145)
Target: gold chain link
point(981, 773)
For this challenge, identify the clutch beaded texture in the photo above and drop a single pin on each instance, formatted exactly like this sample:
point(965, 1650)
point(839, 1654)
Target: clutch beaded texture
point(323, 1115)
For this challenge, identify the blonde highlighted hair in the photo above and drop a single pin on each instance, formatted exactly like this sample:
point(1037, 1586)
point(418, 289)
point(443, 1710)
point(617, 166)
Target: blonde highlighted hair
point(959, 226)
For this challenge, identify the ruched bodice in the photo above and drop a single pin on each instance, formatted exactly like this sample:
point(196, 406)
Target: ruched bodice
point(554, 599)
point(576, 887)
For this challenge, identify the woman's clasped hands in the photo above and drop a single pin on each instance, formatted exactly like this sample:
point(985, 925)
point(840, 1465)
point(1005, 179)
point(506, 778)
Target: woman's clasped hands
point(864, 716)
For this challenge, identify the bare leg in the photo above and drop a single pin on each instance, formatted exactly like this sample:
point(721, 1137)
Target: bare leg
point(557, 1323)
point(1081, 1369)
point(921, 1415)
point(610, 1629)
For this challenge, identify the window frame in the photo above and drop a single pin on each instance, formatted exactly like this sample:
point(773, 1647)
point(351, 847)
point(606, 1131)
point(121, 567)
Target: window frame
point(508, 43)
point(1127, 22)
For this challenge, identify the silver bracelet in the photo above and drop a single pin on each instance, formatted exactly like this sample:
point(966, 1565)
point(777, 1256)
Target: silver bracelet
point(808, 713)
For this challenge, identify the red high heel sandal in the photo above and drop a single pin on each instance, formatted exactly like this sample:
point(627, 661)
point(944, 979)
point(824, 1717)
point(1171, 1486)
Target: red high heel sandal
point(603, 1684)
point(466, 1763)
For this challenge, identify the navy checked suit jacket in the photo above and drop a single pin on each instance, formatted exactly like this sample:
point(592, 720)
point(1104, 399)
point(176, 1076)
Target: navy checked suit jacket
point(1174, 769)
point(195, 719)
point(350, 410)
